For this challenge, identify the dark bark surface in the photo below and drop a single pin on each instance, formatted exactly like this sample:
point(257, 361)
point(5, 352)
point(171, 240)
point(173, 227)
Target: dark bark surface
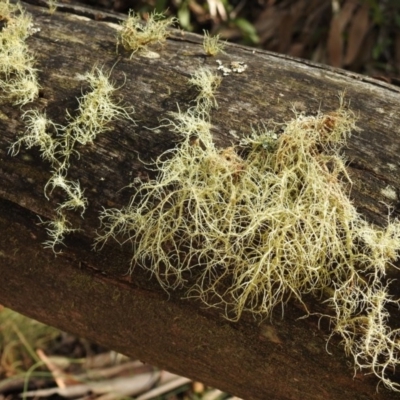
point(88, 293)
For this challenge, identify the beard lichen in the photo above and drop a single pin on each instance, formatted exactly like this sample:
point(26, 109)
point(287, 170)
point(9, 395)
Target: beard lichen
point(57, 144)
point(212, 45)
point(18, 77)
point(249, 227)
point(137, 36)
point(206, 82)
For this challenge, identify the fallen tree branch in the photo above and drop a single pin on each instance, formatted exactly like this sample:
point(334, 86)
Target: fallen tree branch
point(89, 293)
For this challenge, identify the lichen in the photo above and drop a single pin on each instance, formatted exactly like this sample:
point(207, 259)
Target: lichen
point(212, 45)
point(246, 228)
point(137, 36)
point(18, 77)
point(57, 144)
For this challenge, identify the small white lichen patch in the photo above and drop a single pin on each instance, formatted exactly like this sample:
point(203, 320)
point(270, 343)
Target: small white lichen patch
point(152, 55)
point(235, 66)
point(389, 192)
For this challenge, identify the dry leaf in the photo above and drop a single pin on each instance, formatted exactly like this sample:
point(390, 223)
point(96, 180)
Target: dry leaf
point(358, 30)
point(335, 43)
point(285, 32)
point(335, 37)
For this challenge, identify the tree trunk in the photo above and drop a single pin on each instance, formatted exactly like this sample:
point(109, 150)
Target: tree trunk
point(88, 292)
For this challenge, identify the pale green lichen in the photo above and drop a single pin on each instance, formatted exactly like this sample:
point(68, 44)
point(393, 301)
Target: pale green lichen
point(18, 77)
point(137, 36)
point(249, 227)
point(206, 82)
point(97, 109)
point(41, 132)
point(52, 6)
point(212, 45)
point(57, 229)
point(72, 189)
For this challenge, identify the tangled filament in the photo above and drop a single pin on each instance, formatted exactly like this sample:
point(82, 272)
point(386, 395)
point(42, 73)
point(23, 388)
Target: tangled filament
point(249, 229)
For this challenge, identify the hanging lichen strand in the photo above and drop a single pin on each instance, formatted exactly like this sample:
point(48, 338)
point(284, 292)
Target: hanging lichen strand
point(57, 144)
point(18, 77)
point(262, 223)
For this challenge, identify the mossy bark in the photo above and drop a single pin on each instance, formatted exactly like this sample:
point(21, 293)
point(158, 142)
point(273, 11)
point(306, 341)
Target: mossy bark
point(89, 293)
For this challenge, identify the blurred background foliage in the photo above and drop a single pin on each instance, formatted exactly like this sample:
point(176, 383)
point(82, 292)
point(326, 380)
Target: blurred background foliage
point(41, 362)
point(358, 35)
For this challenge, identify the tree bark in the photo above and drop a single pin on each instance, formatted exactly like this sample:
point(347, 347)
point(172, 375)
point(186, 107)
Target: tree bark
point(88, 293)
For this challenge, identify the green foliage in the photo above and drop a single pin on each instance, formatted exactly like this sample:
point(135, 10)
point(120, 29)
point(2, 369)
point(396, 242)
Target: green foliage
point(184, 16)
point(19, 337)
point(247, 29)
point(161, 6)
point(385, 21)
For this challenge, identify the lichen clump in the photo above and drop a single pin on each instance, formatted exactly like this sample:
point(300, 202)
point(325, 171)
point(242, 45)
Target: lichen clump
point(206, 82)
point(249, 227)
point(18, 77)
point(57, 144)
point(137, 36)
point(212, 45)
